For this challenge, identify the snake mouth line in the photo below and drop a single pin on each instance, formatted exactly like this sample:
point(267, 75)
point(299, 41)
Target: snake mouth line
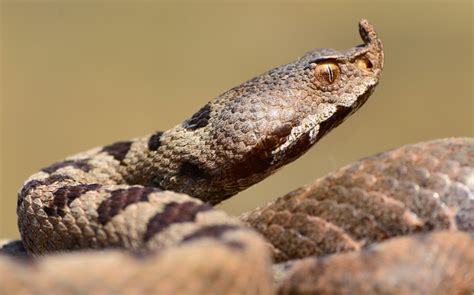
point(314, 127)
point(307, 132)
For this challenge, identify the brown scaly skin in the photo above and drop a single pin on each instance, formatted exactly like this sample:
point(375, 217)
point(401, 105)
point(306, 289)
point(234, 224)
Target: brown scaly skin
point(416, 188)
point(250, 131)
point(200, 267)
point(438, 263)
point(130, 194)
point(107, 197)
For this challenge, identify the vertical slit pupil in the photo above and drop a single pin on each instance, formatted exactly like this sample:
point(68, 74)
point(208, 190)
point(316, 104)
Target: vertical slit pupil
point(330, 73)
point(327, 73)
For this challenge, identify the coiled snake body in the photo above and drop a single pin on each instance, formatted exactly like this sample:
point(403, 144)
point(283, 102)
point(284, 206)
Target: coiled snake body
point(152, 196)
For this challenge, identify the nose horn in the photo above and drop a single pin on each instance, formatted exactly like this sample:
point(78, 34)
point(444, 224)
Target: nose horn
point(371, 40)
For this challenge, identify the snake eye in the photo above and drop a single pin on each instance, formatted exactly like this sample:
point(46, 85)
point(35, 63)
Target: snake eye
point(327, 73)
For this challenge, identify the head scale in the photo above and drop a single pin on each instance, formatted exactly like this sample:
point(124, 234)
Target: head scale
point(270, 120)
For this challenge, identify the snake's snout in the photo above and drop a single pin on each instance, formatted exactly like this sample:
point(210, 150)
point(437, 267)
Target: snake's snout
point(372, 42)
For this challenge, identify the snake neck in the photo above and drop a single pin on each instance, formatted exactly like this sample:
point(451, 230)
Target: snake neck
point(185, 160)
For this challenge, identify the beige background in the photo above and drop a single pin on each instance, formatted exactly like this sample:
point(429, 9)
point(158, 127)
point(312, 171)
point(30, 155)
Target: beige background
point(78, 74)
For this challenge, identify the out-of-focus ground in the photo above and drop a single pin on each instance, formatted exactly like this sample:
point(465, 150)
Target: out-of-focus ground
point(75, 75)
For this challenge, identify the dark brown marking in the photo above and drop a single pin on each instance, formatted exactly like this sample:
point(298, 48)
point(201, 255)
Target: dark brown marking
point(121, 199)
point(118, 150)
point(199, 119)
point(79, 164)
point(259, 159)
point(302, 144)
point(155, 181)
point(191, 170)
point(33, 184)
point(14, 249)
point(56, 178)
point(17, 250)
point(173, 213)
point(237, 245)
point(65, 195)
point(51, 211)
point(25, 190)
point(155, 141)
point(335, 120)
point(254, 162)
point(212, 231)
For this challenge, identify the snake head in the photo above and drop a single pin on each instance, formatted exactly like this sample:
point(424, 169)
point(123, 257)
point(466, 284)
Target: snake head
point(253, 129)
point(336, 84)
point(282, 113)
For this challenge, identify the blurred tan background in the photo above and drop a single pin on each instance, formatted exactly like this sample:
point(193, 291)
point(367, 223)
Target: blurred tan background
point(80, 74)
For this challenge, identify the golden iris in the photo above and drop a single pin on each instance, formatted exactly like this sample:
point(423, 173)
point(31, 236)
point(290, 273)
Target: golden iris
point(327, 73)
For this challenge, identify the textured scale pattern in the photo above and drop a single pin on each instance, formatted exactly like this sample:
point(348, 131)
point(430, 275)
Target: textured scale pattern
point(440, 263)
point(416, 188)
point(153, 197)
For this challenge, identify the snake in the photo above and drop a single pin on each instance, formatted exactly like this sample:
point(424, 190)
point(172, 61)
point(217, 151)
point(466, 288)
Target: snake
point(137, 216)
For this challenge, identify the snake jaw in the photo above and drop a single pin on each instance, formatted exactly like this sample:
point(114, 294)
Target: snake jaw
point(305, 133)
